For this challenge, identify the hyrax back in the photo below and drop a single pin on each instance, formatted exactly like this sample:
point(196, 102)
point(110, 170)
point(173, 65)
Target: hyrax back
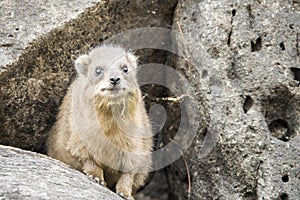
point(102, 128)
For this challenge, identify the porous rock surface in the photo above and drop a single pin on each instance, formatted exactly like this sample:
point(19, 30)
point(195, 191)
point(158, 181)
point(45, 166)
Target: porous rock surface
point(244, 67)
point(241, 59)
point(28, 175)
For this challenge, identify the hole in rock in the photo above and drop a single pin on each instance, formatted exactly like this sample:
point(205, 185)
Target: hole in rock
point(282, 47)
point(281, 113)
point(257, 45)
point(280, 129)
point(248, 103)
point(250, 196)
point(233, 12)
point(296, 73)
point(284, 196)
point(285, 178)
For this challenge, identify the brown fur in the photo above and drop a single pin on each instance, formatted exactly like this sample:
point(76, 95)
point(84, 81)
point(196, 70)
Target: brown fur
point(100, 134)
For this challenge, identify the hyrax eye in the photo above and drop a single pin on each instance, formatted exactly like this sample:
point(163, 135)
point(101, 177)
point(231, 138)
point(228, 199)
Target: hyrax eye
point(125, 68)
point(98, 70)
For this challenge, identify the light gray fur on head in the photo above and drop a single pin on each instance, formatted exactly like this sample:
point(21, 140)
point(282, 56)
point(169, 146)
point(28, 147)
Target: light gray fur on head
point(105, 55)
point(103, 64)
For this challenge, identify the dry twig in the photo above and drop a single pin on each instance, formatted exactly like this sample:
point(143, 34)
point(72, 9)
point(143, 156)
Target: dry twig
point(188, 174)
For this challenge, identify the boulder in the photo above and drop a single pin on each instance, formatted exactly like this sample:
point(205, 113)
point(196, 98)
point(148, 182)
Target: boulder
point(242, 61)
point(28, 175)
point(23, 21)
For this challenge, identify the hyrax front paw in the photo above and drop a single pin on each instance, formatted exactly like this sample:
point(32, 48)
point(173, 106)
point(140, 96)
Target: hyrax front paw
point(94, 172)
point(124, 186)
point(124, 196)
point(97, 179)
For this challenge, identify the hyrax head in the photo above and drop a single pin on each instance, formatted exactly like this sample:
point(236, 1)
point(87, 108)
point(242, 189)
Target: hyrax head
point(109, 70)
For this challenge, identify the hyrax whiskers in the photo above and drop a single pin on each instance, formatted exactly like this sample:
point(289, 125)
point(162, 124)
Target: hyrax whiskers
point(102, 128)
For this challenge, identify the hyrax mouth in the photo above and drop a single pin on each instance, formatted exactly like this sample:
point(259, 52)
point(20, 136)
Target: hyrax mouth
point(112, 89)
point(112, 92)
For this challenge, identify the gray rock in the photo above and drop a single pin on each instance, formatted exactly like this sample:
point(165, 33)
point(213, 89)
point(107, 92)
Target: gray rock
point(244, 69)
point(23, 21)
point(241, 59)
point(28, 175)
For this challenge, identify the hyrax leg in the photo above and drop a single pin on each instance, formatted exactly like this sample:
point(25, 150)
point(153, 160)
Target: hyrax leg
point(124, 186)
point(95, 171)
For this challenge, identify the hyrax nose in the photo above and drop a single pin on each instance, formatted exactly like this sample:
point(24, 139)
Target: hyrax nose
point(115, 81)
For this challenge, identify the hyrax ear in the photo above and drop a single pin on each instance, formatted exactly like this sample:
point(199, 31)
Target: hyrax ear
point(81, 64)
point(132, 59)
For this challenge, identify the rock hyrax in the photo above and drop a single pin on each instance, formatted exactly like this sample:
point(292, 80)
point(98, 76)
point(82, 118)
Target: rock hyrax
point(102, 128)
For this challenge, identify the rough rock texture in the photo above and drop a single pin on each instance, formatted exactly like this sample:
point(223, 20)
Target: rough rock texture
point(23, 21)
point(156, 189)
point(28, 175)
point(33, 86)
point(245, 63)
point(240, 57)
